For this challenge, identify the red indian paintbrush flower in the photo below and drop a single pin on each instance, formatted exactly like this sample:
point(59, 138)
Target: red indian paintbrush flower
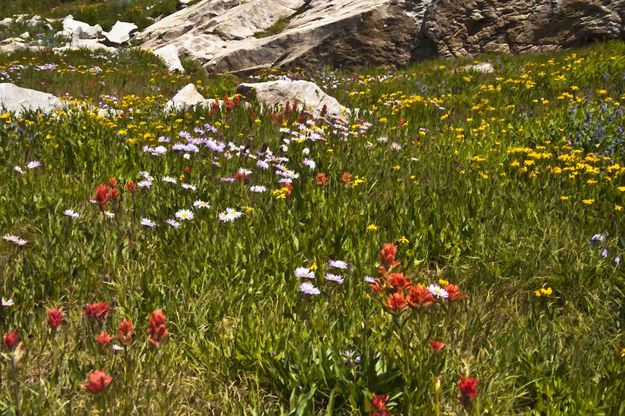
point(10, 339)
point(398, 281)
point(104, 339)
point(97, 381)
point(387, 257)
point(346, 178)
point(437, 345)
point(104, 193)
point(157, 328)
point(125, 331)
point(55, 318)
point(419, 297)
point(468, 389)
point(321, 179)
point(131, 186)
point(379, 405)
point(454, 294)
point(396, 302)
point(102, 196)
point(97, 311)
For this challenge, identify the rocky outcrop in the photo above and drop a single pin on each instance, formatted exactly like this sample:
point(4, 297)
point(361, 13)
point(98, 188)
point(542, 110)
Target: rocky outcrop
point(240, 36)
point(17, 99)
point(247, 35)
point(460, 28)
point(301, 94)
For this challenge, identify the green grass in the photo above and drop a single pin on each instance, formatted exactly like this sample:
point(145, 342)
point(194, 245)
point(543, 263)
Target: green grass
point(274, 29)
point(484, 187)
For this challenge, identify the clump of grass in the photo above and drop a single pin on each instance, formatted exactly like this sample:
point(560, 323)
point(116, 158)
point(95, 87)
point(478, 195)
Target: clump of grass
point(274, 29)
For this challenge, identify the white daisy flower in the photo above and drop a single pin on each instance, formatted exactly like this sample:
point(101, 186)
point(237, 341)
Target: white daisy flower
point(6, 302)
point(71, 213)
point(145, 184)
point(438, 291)
point(169, 179)
point(229, 215)
point(185, 215)
point(201, 204)
point(309, 289)
point(18, 170)
point(15, 239)
point(173, 223)
point(338, 264)
point(189, 186)
point(304, 273)
point(334, 278)
point(258, 189)
point(34, 164)
point(148, 222)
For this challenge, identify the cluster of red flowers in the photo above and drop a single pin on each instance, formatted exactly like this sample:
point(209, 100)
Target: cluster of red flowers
point(104, 193)
point(125, 331)
point(400, 290)
point(468, 390)
point(98, 312)
point(379, 405)
point(157, 328)
point(289, 113)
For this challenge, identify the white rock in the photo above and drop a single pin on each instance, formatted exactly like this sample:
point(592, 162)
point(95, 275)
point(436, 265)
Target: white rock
point(81, 30)
point(63, 34)
point(186, 98)
point(224, 35)
point(89, 44)
point(305, 94)
point(7, 21)
point(12, 45)
point(17, 99)
point(120, 32)
point(25, 36)
point(169, 54)
point(34, 21)
point(482, 67)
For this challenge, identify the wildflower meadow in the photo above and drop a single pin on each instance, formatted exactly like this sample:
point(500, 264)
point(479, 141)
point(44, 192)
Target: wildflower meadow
point(451, 247)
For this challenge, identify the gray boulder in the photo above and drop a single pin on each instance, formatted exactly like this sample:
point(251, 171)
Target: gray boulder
point(305, 95)
point(240, 36)
point(17, 99)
